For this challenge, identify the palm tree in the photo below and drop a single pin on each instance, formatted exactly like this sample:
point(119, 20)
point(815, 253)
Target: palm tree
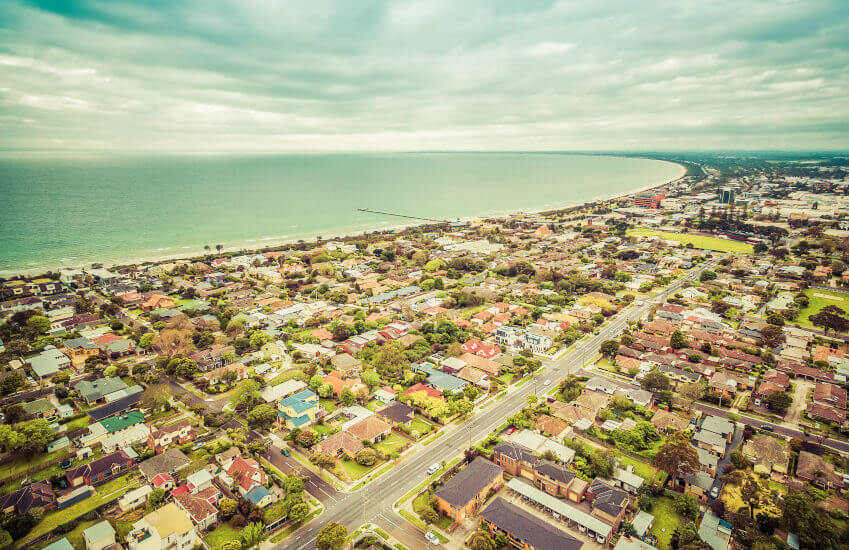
point(206, 247)
point(218, 247)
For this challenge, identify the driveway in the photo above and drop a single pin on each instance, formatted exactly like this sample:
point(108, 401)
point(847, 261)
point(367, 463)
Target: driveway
point(800, 394)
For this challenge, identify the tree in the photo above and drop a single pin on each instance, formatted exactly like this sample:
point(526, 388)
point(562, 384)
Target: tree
point(146, 340)
point(677, 340)
point(262, 417)
point(155, 398)
point(347, 398)
point(687, 506)
point(691, 392)
point(482, 540)
point(367, 457)
point(247, 396)
point(609, 348)
point(306, 439)
point(686, 537)
point(5, 539)
point(39, 323)
point(779, 401)
point(227, 507)
point(234, 544)
point(259, 339)
point(601, 464)
point(299, 512)
point(627, 529)
point(156, 496)
point(331, 537)
point(771, 336)
point(62, 378)
point(655, 381)
point(12, 383)
point(532, 400)
point(677, 457)
point(707, 275)
point(252, 534)
point(293, 484)
point(371, 378)
point(325, 390)
point(832, 318)
point(570, 388)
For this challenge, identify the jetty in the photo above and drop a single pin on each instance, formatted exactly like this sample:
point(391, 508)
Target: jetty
point(402, 215)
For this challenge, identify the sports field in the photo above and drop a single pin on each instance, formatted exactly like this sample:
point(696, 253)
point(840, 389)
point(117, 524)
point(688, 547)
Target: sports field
point(698, 241)
point(818, 299)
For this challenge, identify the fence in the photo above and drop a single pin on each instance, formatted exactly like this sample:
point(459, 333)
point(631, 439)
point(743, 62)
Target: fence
point(34, 469)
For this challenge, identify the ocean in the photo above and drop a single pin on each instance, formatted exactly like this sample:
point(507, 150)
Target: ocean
point(74, 210)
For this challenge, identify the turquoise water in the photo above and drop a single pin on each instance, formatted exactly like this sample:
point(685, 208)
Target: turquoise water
point(59, 212)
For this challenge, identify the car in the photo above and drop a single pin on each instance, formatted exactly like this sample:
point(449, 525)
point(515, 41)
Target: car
point(767, 428)
point(714, 493)
point(432, 538)
point(285, 451)
point(433, 469)
point(596, 331)
point(547, 382)
point(65, 464)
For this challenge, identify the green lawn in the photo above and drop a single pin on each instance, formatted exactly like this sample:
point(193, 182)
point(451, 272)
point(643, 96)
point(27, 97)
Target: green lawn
point(645, 471)
point(78, 423)
point(75, 537)
point(22, 462)
point(106, 492)
point(505, 378)
point(666, 519)
point(288, 375)
point(816, 303)
point(354, 471)
point(329, 404)
point(220, 535)
point(392, 443)
point(421, 503)
point(321, 429)
point(698, 241)
point(275, 511)
point(420, 425)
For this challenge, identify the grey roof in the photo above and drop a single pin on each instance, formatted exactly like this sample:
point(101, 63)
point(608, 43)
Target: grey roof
point(707, 459)
point(642, 522)
point(97, 389)
point(397, 412)
point(714, 532)
point(516, 452)
point(711, 438)
point(608, 499)
point(441, 380)
point(523, 525)
point(80, 343)
point(702, 480)
point(43, 365)
point(61, 544)
point(99, 531)
point(559, 506)
point(718, 425)
point(166, 463)
point(467, 484)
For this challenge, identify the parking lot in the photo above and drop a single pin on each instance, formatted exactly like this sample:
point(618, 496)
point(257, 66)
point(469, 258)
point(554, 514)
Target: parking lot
point(589, 543)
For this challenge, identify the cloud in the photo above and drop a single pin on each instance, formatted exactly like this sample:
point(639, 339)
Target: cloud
point(250, 75)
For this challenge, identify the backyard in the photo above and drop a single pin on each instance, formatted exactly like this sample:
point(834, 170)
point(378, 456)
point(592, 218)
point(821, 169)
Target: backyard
point(221, 534)
point(698, 241)
point(666, 519)
point(21, 463)
point(105, 493)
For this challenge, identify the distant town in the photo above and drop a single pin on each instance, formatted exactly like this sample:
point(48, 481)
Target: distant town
point(663, 370)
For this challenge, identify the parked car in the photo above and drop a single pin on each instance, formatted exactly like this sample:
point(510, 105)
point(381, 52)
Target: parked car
point(433, 469)
point(767, 428)
point(714, 493)
point(432, 538)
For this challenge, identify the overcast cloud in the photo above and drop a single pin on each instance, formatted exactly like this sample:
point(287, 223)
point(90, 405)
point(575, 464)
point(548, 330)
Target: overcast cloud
point(259, 75)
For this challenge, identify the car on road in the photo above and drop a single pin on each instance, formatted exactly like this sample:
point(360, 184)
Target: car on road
point(547, 382)
point(767, 428)
point(285, 451)
point(432, 469)
point(432, 538)
point(714, 493)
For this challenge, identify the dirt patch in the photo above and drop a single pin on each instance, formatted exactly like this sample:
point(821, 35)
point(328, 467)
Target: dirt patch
point(827, 296)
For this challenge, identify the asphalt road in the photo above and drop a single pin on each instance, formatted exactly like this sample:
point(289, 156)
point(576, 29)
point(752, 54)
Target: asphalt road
point(374, 502)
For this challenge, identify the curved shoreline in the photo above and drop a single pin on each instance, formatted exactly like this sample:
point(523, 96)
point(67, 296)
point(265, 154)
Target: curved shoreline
point(256, 245)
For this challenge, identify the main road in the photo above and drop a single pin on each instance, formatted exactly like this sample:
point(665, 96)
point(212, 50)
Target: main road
point(374, 503)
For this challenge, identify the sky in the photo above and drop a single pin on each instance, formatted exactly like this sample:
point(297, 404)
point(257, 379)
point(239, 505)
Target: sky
point(363, 75)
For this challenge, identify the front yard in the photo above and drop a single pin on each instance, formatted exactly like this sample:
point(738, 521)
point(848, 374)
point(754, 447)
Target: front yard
point(391, 444)
point(221, 534)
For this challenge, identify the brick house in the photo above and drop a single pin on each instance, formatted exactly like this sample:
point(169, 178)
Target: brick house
point(178, 433)
point(464, 494)
point(100, 469)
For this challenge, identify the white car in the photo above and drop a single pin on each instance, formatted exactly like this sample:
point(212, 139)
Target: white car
point(432, 538)
point(433, 469)
point(547, 382)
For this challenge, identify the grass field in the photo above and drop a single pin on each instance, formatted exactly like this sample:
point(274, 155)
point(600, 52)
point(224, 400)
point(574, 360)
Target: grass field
point(816, 303)
point(666, 519)
point(354, 471)
point(392, 443)
point(698, 241)
point(220, 535)
point(21, 463)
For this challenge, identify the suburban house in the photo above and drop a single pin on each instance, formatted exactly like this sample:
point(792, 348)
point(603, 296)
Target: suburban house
point(198, 503)
point(168, 528)
point(93, 391)
point(463, 494)
point(346, 364)
point(370, 428)
point(99, 470)
point(397, 414)
point(814, 469)
point(556, 480)
point(515, 459)
point(215, 376)
point(524, 530)
point(246, 474)
point(298, 410)
point(38, 496)
point(768, 454)
point(608, 503)
point(338, 444)
point(668, 422)
point(99, 536)
point(40, 408)
point(168, 463)
point(78, 350)
point(158, 301)
point(829, 395)
point(178, 433)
